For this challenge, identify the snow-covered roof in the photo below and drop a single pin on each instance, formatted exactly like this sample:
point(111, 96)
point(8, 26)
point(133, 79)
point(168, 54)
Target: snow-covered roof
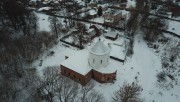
point(99, 48)
point(98, 19)
point(78, 62)
point(92, 12)
point(174, 27)
point(131, 3)
point(118, 48)
point(91, 31)
point(44, 24)
point(82, 14)
point(97, 26)
point(111, 34)
point(44, 8)
point(108, 20)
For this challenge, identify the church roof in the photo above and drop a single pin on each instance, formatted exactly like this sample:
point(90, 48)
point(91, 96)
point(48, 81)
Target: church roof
point(78, 62)
point(99, 48)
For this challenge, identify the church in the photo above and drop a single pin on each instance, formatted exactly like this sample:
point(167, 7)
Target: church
point(93, 63)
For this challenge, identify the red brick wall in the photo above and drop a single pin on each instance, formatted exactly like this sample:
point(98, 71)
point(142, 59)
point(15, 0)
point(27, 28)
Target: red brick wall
point(103, 78)
point(82, 79)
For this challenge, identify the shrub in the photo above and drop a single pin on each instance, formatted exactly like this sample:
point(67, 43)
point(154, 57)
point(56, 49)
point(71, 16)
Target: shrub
point(128, 93)
point(161, 76)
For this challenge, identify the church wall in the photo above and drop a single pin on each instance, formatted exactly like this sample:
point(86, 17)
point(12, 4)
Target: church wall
point(104, 78)
point(99, 60)
point(81, 79)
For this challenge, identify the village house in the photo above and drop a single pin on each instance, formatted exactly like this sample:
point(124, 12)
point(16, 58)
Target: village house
point(97, 29)
point(111, 35)
point(90, 64)
point(91, 14)
point(113, 17)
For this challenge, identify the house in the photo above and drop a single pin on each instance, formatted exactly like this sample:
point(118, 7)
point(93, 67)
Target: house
point(97, 29)
point(91, 14)
point(90, 64)
point(112, 17)
point(92, 33)
point(111, 35)
point(119, 49)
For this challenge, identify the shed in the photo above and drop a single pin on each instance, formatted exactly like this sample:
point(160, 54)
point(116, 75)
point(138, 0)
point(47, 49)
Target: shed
point(111, 35)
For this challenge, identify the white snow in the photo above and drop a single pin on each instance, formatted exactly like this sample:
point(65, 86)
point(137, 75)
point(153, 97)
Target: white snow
point(44, 24)
point(59, 55)
point(174, 27)
point(131, 3)
point(118, 47)
point(44, 8)
point(99, 19)
point(144, 64)
point(118, 51)
point(92, 12)
point(111, 34)
point(78, 62)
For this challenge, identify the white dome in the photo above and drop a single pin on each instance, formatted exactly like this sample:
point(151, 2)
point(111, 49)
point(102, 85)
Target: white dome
point(99, 48)
point(99, 55)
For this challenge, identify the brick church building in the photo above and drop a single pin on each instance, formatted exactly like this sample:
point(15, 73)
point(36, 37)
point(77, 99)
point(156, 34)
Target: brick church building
point(93, 63)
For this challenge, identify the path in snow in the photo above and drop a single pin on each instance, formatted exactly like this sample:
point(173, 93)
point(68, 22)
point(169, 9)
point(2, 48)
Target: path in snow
point(143, 61)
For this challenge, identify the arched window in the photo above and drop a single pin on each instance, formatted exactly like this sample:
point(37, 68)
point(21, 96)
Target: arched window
point(101, 61)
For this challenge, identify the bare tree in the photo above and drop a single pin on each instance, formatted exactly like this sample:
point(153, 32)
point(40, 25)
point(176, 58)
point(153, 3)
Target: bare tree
point(152, 26)
point(67, 90)
point(53, 84)
point(47, 83)
point(85, 91)
point(54, 25)
point(88, 94)
point(128, 93)
point(95, 97)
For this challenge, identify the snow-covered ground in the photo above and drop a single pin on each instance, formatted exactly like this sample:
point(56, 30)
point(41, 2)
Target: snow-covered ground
point(131, 3)
point(174, 27)
point(144, 64)
point(59, 55)
point(43, 22)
